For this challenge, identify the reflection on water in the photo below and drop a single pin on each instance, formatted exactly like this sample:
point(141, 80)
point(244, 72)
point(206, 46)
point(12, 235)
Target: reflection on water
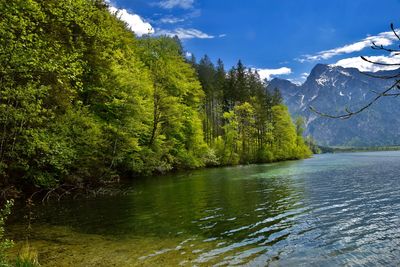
point(334, 210)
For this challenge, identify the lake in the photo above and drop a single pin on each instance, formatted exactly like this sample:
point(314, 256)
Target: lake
point(330, 210)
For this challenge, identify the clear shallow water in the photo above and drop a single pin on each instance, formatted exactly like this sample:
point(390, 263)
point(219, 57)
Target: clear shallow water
point(331, 210)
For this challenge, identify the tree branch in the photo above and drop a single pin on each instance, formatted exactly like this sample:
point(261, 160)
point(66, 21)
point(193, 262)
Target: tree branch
point(380, 63)
point(394, 31)
point(381, 47)
point(349, 113)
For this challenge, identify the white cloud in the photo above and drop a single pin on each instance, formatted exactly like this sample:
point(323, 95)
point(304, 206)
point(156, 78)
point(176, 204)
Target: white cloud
point(270, 73)
point(188, 54)
point(383, 38)
point(304, 75)
point(362, 65)
point(169, 4)
point(301, 79)
point(185, 33)
point(135, 22)
point(171, 20)
point(222, 35)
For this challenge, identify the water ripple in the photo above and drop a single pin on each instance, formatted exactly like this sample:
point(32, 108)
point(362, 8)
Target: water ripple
point(332, 210)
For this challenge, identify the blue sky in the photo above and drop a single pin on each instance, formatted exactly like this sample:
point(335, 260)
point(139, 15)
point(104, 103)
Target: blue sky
point(284, 38)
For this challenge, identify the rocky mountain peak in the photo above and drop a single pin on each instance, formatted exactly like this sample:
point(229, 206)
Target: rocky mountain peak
point(331, 89)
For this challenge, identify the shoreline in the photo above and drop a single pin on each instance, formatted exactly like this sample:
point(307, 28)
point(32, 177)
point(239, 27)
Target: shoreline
point(104, 188)
point(339, 149)
point(116, 185)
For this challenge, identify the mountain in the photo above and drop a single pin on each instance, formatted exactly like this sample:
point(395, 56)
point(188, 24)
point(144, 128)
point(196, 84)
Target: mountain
point(331, 89)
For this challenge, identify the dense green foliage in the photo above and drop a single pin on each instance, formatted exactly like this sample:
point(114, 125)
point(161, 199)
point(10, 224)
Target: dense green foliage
point(312, 144)
point(243, 121)
point(83, 100)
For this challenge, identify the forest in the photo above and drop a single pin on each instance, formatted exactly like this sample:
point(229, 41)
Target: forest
point(84, 101)
point(167, 147)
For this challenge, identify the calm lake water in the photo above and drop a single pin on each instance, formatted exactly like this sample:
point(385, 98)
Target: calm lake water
point(330, 210)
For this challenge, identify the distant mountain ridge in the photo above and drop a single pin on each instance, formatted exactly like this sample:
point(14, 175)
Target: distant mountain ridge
point(330, 89)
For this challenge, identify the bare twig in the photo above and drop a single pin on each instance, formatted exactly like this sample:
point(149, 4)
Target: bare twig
point(350, 113)
point(381, 47)
point(380, 63)
point(394, 31)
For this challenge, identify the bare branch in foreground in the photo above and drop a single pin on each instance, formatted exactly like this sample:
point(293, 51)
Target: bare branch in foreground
point(380, 63)
point(350, 113)
point(381, 47)
point(394, 31)
point(394, 52)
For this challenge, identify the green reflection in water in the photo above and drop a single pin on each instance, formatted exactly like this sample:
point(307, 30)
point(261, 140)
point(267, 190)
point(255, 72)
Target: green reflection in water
point(204, 217)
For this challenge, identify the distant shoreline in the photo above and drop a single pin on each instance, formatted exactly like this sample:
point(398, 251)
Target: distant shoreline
point(338, 149)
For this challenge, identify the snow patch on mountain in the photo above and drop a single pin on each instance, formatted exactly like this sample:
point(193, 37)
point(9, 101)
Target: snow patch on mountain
point(322, 80)
point(345, 73)
point(310, 119)
point(330, 90)
point(313, 97)
point(302, 101)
